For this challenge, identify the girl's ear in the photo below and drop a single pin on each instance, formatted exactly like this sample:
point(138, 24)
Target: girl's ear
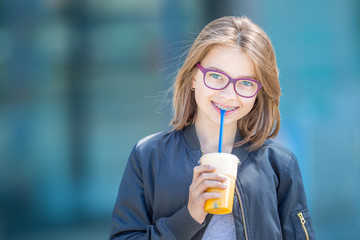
point(193, 81)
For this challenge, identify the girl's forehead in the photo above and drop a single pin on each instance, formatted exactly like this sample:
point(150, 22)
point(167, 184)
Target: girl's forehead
point(230, 60)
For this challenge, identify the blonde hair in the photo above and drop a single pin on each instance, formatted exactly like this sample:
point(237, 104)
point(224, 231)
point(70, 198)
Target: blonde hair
point(263, 121)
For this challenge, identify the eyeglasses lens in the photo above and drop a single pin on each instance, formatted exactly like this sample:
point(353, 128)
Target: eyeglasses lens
point(244, 87)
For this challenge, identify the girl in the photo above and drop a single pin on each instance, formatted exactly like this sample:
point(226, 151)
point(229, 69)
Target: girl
point(231, 66)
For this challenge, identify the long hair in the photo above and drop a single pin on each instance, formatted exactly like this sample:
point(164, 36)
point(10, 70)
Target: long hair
point(263, 121)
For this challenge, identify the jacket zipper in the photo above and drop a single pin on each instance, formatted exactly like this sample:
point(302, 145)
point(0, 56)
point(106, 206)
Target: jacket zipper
point(302, 220)
point(242, 212)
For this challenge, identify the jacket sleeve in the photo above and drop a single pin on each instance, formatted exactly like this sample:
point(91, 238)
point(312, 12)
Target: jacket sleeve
point(294, 215)
point(131, 215)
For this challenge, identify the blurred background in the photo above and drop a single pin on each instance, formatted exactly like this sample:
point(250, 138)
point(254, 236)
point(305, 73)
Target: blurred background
point(82, 81)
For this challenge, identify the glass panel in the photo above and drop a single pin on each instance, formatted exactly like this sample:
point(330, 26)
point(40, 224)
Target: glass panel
point(216, 80)
point(246, 87)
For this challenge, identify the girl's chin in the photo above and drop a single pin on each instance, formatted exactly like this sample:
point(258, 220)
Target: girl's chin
point(227, 122)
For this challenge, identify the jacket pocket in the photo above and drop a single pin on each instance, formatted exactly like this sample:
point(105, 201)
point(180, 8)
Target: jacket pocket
point(302, 224)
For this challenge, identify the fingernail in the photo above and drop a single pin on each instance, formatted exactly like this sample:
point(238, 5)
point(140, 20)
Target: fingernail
point(222, 177)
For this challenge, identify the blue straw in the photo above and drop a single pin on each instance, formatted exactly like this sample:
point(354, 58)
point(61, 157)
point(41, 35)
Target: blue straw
point(222, 114)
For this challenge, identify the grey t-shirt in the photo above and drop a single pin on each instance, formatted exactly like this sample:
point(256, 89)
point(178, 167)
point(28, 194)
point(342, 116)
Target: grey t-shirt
point(221, 227)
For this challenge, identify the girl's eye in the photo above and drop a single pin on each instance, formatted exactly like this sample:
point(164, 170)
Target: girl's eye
point(246, 83)
point(215, 76)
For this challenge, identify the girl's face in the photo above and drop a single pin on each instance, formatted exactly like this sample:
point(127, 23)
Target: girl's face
point(234, 63)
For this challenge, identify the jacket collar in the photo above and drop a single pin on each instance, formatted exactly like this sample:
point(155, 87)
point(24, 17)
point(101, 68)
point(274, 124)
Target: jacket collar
point(192, 141)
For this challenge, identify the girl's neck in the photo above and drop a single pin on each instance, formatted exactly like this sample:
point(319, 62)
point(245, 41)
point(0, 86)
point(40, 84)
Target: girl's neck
point(209, 137)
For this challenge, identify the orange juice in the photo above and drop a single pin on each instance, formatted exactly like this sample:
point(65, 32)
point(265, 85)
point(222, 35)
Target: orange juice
point(225, 164)
point(224, 204)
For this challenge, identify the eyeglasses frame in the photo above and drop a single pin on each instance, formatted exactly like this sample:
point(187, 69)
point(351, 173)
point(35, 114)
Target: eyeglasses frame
point(231, 80)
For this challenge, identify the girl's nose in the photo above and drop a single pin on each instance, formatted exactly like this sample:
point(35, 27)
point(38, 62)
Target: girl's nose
point(229, 91)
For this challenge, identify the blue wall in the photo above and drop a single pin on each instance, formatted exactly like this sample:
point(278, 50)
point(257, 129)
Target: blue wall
point(318, 51)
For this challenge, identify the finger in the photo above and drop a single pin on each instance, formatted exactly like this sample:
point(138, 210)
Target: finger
point(205, 181)
point(198, 170)
point(205, 185)
point(198, 188)
point(210, 195)
point(211, 176)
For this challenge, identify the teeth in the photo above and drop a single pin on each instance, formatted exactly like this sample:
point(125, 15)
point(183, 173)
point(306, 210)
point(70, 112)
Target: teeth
point(224, 108)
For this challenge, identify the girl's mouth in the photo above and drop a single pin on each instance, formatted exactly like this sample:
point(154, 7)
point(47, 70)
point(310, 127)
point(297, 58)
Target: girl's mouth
point(227, 109)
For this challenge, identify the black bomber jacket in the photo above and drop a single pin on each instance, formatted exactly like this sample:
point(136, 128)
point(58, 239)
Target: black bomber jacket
point(269, 201)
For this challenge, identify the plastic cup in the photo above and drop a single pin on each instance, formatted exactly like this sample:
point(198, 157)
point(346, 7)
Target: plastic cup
point(226, 164)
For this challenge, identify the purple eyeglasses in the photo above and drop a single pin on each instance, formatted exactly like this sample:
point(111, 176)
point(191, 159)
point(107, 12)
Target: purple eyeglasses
point(244, 87)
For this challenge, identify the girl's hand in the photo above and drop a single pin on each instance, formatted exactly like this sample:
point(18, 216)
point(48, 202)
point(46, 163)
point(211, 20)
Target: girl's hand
point(203, 178)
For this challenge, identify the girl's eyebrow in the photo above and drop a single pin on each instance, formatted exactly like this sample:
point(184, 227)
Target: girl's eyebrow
point(222, 71)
